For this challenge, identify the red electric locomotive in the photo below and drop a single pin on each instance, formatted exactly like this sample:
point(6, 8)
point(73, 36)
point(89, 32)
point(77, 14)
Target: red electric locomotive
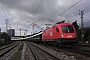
point(61, 34)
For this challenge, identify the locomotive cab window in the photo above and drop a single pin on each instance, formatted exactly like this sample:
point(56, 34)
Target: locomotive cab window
point(57, 30)
point(67, 29)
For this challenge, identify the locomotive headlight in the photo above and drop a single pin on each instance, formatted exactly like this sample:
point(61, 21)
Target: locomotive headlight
point(62, 36)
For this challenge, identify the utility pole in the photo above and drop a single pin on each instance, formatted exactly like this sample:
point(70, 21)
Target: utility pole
point(33, 24)
point(6, 22)
point(82, 23)
point(81, 13)
point(25, 33)
point(20, 32)
point(9, 26)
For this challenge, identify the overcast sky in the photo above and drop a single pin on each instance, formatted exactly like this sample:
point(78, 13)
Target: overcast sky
point(22, 13)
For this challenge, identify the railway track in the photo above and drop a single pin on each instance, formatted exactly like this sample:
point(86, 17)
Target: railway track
point(81, 52)
point(5, 50)
point(40, 54)
point(6, 46)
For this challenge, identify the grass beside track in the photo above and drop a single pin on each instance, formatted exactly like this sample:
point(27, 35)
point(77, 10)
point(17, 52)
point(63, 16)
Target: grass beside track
point(17, 55)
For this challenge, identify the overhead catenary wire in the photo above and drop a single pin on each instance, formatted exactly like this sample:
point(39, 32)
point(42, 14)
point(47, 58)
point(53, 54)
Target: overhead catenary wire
point(2, 15)
point(58, 10)
point(34, 9)
point(34, 12)
point(66, 10)
point(85, 14)
point(72, 16)
point(5, 7)
point(37, 8)
point(4, 12)
point(5, 16)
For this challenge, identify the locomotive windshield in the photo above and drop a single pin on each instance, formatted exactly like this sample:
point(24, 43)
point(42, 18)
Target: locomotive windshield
point(67, 29)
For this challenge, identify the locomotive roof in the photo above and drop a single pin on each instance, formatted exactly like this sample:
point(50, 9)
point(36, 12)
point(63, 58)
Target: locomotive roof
point(59, 23)
point(63, 23)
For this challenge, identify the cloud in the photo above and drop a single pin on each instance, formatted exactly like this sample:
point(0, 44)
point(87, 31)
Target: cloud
point(20, 11)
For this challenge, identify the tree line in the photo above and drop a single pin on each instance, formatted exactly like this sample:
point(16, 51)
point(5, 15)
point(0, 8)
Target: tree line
point(5, 36)
point(82, 33)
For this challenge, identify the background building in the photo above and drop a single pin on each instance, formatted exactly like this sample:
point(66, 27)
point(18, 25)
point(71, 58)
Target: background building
point(11, 32)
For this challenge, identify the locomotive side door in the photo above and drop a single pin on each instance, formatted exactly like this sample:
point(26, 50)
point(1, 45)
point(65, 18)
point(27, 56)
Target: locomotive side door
point(57, 33)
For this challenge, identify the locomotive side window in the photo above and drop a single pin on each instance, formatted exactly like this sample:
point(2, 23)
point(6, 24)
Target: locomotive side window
point(67, 29)
point(57, 30)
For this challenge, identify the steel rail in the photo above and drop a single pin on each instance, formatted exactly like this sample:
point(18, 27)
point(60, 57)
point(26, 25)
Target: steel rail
point(6, 47)
point(46, 52)
point(34, 54)
point(2, 54)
